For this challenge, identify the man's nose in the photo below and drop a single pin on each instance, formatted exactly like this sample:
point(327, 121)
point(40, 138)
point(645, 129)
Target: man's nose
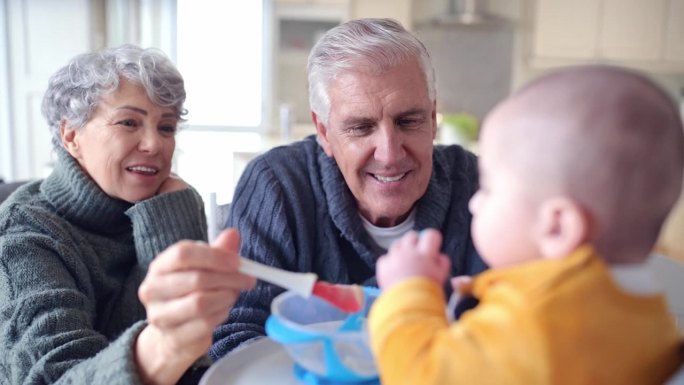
point(389, 146)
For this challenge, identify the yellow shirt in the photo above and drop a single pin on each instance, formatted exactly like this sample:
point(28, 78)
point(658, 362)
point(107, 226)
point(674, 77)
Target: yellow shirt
point(560, 321)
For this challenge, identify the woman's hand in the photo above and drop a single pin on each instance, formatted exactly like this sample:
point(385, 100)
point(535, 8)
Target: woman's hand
point(411, 256)
point(171, 184)
point(188, 291)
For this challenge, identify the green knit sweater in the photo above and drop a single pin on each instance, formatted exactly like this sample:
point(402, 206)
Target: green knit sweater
point(71, 261)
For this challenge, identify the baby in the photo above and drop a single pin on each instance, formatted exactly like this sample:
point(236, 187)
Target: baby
point(578, 171)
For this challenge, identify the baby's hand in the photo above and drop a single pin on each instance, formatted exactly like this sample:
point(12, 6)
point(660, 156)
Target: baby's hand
point(413, 256)
point(460, 281)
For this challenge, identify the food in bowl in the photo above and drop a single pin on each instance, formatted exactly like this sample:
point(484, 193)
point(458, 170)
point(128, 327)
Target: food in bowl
point(322, 339)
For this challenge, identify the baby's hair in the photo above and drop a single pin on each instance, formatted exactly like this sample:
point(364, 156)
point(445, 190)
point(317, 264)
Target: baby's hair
point(610, 139)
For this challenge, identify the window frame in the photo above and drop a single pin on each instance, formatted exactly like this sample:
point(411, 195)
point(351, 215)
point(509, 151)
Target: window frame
point(266, 77)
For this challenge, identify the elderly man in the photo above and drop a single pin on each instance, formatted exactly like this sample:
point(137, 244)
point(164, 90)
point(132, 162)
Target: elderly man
point(333, 203)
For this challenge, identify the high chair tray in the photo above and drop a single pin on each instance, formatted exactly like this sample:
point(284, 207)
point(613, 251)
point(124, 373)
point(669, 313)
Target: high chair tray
point(261, 362)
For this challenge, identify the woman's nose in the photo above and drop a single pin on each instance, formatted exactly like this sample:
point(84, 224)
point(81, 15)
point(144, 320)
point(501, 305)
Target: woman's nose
point(150, 140)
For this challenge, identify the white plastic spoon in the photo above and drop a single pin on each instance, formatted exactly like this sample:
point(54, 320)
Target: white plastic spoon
point(300, 283)
point(349, 298)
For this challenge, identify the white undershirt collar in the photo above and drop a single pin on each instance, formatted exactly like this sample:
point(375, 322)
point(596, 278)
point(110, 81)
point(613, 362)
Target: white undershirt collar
point(384, 236)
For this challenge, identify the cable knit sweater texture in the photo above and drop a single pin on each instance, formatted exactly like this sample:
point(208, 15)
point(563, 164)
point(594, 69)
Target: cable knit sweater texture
point(295, 211)
point(71, 261)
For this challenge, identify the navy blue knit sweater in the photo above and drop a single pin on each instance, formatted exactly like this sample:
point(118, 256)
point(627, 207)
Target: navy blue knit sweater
point(295, 211)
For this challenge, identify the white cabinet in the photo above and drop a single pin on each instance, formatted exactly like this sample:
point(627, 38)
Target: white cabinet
point(315, 10)
point(399, 10)
point(298, 24)
point(674, 39)
point(647, 34)
point(632, 29)
point(566, 29)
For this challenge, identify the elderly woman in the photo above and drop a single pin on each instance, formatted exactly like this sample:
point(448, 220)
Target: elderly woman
point(97, 284)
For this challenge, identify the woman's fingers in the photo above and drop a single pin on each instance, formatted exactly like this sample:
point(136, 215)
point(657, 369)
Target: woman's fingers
point(189, 266)
point(228, 240)
point(197, 305)
point(171, 184)
point(167, 286)
point(193, 280)
point(188, 291)
point(192, 338)
point(190, 255)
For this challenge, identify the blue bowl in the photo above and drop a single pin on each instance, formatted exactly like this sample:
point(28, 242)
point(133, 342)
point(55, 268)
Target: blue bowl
point(323, 340)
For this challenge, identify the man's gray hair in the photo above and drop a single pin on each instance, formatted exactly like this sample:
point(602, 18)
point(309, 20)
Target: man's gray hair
point(372, 44)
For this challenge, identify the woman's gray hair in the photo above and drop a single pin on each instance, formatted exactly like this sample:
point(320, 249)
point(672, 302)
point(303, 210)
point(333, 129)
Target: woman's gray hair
point(74, 91)
point(373, 44)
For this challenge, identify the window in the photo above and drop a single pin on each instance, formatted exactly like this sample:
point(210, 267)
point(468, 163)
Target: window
point(221, 52)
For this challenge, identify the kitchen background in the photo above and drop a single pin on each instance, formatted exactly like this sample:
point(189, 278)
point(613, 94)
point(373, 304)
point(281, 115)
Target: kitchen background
point(244, 64)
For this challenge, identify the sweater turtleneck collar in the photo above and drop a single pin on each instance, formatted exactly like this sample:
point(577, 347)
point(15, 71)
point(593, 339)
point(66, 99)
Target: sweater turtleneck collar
point(341, 204)
point(431, 210)
point(81, 201)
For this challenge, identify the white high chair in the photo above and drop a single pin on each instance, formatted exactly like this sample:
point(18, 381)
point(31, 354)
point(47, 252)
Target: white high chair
point(670, 273)
point(216, 216)
point(678, 378)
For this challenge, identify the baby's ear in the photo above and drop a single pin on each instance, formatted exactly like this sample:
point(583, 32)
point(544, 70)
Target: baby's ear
point(562, 226)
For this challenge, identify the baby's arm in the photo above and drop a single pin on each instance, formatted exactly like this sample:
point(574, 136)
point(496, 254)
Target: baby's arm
point(413, 256)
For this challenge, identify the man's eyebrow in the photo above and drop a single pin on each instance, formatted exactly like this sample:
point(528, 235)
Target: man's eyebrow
point(355, 120)
point(366, 120)
point(413, 111)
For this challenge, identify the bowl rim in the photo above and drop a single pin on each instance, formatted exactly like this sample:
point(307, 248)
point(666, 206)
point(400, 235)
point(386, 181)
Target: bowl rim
point(298, 327)
point(301, 328)
point(289, 333)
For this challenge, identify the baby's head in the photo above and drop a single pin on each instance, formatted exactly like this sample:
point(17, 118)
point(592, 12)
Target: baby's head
point(591, 154)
